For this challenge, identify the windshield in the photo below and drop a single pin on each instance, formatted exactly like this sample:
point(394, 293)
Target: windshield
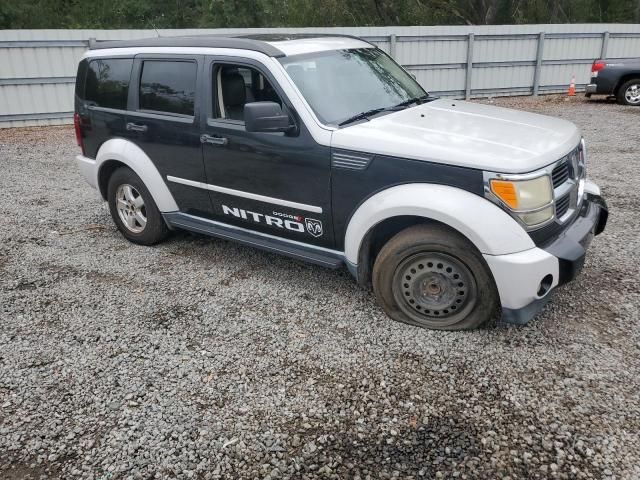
point(339, 84)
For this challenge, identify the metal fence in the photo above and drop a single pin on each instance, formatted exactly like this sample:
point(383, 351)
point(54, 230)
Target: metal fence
point(37, 67)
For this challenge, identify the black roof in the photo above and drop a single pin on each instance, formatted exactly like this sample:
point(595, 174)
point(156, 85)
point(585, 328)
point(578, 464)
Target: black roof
point(255, 42)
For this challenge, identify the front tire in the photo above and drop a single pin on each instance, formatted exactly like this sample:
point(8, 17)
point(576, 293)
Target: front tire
point(629, 92)
point(432, 277)
point(133, 209)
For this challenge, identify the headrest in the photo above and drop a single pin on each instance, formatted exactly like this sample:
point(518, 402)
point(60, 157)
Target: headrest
point(233, 88)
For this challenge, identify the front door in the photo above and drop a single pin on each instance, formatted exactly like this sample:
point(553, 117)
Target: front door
point(275, 183)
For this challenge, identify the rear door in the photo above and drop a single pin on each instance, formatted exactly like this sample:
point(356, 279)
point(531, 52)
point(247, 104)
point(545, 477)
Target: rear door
point(164, 121)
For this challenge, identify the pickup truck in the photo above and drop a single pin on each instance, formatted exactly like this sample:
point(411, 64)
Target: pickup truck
point(616, 78)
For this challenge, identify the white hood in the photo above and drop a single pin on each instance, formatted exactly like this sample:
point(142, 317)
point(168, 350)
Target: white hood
point(466, 134)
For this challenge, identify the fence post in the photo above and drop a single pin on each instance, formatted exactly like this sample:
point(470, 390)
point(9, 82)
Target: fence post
point(467, 84)
point(536, 72)
point(392, 45)
point(605, 44)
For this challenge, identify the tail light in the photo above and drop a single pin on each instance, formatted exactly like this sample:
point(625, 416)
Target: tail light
point(78, 128)
point(597, 66)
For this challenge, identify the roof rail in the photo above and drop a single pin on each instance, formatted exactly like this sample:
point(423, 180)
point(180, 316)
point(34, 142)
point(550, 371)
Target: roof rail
point(207, 41)
point(259, 42)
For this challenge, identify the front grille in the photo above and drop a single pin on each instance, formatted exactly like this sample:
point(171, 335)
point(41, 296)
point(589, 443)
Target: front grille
point(565, 178)
point(562, 205)
point(560, 174)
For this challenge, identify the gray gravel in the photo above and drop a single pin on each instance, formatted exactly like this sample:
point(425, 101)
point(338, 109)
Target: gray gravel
point(203, 359)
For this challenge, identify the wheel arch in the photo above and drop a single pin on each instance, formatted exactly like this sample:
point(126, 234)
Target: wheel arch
point(490, 229)
point(624, 79)
point(119, 152)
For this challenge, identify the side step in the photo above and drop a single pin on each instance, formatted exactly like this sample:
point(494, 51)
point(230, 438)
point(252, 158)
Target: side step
point(270, 243)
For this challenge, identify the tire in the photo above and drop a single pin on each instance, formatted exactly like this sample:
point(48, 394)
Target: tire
point(629, 92)
point(133, 209)
point(432, 277)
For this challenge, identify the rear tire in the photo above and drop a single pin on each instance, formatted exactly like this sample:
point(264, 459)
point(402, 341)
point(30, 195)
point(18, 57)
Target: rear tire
point(432, 277)
point(629, 92)
point(133, 209)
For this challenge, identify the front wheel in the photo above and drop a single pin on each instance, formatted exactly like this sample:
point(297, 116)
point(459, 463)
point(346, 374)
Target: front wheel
point(133, 209)
point(432, 277)
point(629, 92)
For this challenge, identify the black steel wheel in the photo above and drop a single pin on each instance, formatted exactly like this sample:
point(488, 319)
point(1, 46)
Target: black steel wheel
point(431, 276)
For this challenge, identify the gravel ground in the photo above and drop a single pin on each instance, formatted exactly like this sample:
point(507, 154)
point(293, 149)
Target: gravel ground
point(200, 358)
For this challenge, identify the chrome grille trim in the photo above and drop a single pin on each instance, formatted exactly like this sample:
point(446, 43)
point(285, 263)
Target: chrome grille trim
point(566, 180)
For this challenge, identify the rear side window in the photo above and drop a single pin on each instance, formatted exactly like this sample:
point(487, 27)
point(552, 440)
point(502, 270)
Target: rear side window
point(168, 86)
point(107, 82)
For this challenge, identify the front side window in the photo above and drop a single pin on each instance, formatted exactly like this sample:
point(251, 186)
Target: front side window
point(339, 84)
point(168, 86)
point(234, 86)
point(107, 83)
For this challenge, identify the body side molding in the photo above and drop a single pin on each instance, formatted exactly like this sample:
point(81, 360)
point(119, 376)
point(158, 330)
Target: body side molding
point(243, 194)
point(134, 157)
point(488, 227)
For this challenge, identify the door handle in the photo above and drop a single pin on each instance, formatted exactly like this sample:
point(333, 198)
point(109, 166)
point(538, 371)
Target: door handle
point(134, 127)
point(213, 140)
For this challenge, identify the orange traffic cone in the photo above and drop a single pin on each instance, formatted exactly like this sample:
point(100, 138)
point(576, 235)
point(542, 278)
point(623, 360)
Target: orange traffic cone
point(572, 87)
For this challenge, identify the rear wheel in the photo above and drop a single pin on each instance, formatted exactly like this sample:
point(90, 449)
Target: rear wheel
point(133, 209)
point(629, 92)
point(432, 277)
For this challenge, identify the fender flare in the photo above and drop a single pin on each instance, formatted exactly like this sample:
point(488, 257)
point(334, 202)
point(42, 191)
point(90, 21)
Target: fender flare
point(492, 230)
point(128, 153)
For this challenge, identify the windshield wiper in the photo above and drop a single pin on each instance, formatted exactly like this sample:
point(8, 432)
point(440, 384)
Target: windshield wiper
point(368, 113)
point(406, 103)
point(361, 116)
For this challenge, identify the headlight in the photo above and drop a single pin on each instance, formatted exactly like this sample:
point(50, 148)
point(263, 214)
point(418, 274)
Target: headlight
point(530, 199)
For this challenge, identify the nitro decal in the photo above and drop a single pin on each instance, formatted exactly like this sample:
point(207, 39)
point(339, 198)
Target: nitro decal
point(294, 223)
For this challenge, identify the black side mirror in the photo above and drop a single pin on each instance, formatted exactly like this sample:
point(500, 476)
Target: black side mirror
point(265, 117)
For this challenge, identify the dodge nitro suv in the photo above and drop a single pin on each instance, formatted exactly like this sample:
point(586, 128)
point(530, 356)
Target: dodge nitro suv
point(322, 148)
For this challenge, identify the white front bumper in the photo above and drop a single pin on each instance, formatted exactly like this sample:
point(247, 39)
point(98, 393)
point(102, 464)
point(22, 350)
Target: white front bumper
point(518, 276)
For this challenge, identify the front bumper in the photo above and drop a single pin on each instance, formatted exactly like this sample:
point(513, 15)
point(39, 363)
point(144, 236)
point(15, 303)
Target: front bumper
point(539, 270)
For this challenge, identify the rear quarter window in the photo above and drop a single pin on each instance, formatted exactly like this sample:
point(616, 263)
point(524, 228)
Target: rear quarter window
point(168, 86)
point(107, 83)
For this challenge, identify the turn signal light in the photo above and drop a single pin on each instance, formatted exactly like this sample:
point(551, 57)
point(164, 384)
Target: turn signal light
point(597, 66)
point(505, 191)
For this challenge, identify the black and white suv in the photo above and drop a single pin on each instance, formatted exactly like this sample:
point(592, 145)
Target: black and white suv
point(322, 148)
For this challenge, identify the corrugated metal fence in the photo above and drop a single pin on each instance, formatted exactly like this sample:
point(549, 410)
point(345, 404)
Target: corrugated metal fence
point(37, 67)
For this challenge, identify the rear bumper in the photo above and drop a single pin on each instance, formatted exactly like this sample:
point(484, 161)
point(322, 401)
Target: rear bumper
point(88, 169)
point(525, 280)
point(591, 88)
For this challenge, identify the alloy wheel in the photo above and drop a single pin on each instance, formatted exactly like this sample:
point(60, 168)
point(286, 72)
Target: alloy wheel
point(131, 209)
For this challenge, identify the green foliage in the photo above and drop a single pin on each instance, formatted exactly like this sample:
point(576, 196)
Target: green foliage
point(306, 13)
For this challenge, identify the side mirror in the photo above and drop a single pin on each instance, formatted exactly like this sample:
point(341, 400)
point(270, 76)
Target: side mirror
point(265, 117)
